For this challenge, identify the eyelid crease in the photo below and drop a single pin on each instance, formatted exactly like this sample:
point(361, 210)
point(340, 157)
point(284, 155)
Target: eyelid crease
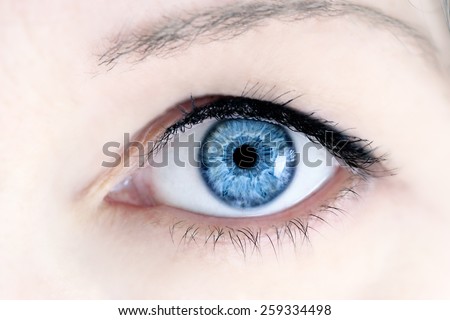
point(354, 152)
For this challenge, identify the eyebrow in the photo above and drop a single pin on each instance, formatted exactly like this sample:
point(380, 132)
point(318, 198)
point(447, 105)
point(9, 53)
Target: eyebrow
point(172, 35)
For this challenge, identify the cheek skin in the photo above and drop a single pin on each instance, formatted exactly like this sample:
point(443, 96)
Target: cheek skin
point(373, 266)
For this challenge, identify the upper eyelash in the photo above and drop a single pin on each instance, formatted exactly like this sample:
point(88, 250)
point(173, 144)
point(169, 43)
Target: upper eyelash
point(355, 152)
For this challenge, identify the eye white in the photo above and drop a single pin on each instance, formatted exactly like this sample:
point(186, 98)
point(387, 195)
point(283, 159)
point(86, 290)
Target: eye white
point(177, 181)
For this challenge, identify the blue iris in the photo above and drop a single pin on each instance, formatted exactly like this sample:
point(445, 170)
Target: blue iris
point(247, 163)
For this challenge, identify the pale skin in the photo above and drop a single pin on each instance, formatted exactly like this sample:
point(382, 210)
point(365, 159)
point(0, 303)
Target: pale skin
point(58, 107)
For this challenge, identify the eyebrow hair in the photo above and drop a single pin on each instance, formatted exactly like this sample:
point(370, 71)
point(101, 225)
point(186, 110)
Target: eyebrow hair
point(172, 35)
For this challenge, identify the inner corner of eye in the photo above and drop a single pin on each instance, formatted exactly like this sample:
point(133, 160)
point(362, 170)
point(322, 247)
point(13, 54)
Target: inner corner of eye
point(230, 166)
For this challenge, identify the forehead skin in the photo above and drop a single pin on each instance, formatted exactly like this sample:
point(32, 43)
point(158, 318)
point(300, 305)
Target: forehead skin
point(59, 105)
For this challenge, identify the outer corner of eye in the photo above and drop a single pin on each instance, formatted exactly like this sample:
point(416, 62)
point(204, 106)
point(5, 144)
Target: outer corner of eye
point(232, 168)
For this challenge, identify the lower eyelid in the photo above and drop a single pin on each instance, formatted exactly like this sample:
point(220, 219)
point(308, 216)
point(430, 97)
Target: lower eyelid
point(187, 229)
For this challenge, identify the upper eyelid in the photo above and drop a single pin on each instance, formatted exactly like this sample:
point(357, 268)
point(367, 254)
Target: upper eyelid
point(157, 133)
point(168, 37)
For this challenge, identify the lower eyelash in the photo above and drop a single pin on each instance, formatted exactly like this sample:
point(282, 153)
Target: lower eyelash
point(249, 241)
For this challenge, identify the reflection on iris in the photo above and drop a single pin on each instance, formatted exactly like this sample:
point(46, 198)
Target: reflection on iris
point(247, 163)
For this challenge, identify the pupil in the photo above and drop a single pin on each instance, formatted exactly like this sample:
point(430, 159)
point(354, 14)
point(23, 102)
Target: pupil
point(245, 157)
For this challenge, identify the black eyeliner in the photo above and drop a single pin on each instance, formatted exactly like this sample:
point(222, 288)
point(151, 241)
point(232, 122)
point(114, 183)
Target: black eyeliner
point(354, 152)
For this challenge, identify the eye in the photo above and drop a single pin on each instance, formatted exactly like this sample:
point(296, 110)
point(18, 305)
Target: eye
point(236, 157)
point(234, 168)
